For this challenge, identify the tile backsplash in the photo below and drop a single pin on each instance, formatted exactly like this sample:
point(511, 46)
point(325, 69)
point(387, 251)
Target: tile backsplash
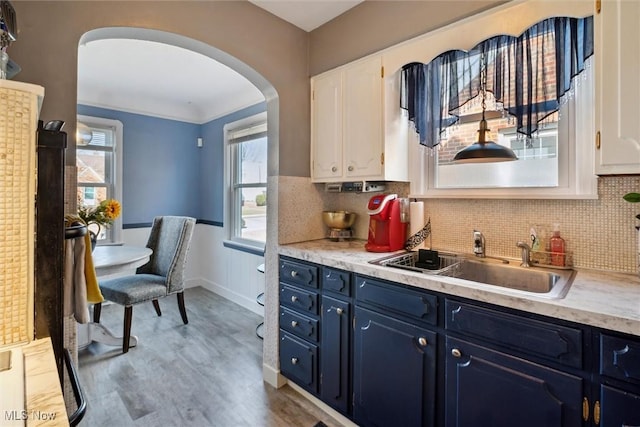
point(601, 233)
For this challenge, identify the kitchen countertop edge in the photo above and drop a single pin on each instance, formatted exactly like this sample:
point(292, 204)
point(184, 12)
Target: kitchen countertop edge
point(607, 300)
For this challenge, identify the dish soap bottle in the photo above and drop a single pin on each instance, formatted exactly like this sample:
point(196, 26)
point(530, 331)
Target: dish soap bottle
point(556, 245)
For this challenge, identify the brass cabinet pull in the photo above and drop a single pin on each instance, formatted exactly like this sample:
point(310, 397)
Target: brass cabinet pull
point(294, 360)
point(334, 169)
point(294, 298)
point(422, 341)
point(596, 412)
point(294, 273)
point(339, 311)
point(585, 409)
point(456, 353)
point(598, 140)
point(294, 324)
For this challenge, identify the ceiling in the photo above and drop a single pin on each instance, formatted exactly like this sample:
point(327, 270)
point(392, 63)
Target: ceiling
point(171, 82)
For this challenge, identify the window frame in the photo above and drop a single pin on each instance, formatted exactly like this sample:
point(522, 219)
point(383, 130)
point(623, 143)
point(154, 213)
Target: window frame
point(577, 179)
point(233, 212)
point(114, 188)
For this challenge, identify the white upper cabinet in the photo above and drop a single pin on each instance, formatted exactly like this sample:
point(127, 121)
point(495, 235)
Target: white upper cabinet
point(348, 142)
point(362, 132)
point(618, 87)
point(326, 127)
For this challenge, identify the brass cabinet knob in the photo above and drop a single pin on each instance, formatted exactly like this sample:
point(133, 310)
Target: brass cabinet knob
point(585, 409)
point(339, 311)
point(294, 323)
point(422, 341)
point(294, 273)
point(350, 168)
point(334, 169)
point(456, 353)
point(294, 360)
point(294, 298)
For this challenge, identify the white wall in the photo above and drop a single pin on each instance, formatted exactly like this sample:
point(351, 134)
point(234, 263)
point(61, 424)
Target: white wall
point(228, 272)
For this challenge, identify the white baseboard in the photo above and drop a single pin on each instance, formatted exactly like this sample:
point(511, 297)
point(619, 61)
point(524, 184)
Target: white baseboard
point(241, 300)
point(272, 376)
point(346, 422)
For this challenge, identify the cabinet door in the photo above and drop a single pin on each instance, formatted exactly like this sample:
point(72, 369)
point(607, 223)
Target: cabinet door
point(299, 361)
point(618, 73)
point(394, 372)
point(619, 408)
point(489, 388)
point(326, 127)
point(334, 353)
point(363, 119)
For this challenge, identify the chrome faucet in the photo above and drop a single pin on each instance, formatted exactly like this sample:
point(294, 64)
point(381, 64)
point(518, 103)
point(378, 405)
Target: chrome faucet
point(478, 244)
point(526, 251)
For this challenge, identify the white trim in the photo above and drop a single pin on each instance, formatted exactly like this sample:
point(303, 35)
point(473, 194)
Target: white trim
point(229, 212)
point(272, 376)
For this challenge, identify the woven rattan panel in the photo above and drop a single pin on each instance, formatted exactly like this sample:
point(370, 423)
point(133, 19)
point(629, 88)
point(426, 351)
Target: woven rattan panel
point(17, 187)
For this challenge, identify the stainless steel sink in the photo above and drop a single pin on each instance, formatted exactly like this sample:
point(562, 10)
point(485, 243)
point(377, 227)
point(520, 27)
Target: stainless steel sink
point(542, 282)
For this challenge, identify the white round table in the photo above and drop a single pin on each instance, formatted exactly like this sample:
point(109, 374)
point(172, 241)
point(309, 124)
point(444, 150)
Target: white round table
point(109, 260)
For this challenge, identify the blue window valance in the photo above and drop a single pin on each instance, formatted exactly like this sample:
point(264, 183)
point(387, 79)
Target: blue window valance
point(528, 76)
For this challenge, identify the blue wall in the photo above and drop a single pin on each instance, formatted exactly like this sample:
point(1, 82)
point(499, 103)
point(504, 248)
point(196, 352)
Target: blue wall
point(164, 172)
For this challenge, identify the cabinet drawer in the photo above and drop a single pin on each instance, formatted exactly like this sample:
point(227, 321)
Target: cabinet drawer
point(552, 342)
point(413, 304)
point(299, 361)
point(299, 325)
point(620, 358)
point(299, 299)
point(336, 281)
point(298, 273)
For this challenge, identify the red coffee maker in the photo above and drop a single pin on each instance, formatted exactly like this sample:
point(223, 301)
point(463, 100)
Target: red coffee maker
point(387, 230)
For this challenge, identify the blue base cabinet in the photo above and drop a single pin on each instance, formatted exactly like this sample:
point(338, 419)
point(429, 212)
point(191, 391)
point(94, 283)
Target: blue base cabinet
point(394, 372)
point(386, 354)
point(618, 407)
point(336, 353)
point(490, 388)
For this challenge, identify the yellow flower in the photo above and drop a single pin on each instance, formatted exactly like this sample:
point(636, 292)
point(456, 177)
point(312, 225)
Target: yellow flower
point(102, 215)
point(112, 209)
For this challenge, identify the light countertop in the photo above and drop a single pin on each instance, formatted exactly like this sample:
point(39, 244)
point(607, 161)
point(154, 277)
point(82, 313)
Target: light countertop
point(598, 298)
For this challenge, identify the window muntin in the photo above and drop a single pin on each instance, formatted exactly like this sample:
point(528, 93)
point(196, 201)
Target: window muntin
point(247, 150)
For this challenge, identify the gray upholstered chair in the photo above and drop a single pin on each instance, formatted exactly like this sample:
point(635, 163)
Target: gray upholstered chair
point(163, 275)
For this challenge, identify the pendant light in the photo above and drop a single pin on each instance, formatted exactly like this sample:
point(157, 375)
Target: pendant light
point(484, 151)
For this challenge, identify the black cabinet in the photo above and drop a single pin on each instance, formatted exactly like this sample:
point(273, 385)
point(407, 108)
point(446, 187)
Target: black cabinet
point(490, 388)
point(315, 330)
point(299, 323)
point(618, 407)
point(389, 354)
point(336, 351)
point(619, 393)
point(394, 372)
point(299, 361)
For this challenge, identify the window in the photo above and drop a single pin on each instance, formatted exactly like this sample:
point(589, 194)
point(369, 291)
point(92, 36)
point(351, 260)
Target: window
point(99, 165)
point(247, 180)
point(542, 111)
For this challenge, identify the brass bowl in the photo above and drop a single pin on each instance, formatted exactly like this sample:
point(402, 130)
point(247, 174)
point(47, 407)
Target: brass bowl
point(338, 220)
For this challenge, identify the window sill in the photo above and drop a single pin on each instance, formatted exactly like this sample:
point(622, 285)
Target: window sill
point(244, 247)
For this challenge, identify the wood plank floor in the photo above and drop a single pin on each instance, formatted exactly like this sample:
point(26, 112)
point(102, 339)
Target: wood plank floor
point(206, 373)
